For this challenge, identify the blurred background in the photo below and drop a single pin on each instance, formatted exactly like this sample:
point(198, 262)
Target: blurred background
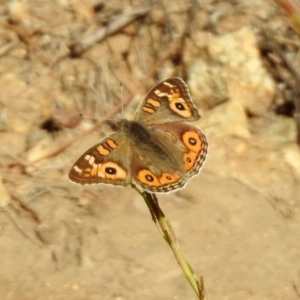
point(61, 66)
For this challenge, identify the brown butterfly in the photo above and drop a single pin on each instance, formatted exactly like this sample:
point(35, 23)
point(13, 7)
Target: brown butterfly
point(157, 151)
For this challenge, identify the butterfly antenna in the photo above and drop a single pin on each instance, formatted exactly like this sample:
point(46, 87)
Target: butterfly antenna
point(122, 103)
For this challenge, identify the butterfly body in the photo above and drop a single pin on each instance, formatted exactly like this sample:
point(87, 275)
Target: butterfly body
point(157, 151)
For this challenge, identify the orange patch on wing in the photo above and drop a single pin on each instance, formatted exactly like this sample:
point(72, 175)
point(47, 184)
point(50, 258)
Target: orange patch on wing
point(94, 171)
point(102, 150)
point(192, 141)
point(175, 95)
point(112, 144)
point(167, 178)
point(189, 160)
point(153, 102)
point(147, 177)
point(148, 110)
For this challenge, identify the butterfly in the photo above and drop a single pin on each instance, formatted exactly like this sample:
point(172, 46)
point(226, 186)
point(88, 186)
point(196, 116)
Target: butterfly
point(157, 151)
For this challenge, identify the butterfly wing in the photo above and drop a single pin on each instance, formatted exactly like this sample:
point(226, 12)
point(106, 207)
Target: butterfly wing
point(175, 153)
point(106, 162)
point(169, 101)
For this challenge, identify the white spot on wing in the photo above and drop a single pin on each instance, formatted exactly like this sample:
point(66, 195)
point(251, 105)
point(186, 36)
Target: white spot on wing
point(91, 160)
point(87, 157)
point(78, 170)
point(168, 84)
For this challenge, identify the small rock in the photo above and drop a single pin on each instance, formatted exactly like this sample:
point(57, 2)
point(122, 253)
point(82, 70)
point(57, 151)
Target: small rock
point(228, 118)
point(206, 84)
point(17, 11)
point(282, 129)
point(247, 80)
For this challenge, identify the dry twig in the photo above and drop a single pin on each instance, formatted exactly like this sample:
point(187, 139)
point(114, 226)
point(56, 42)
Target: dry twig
point(119, 23)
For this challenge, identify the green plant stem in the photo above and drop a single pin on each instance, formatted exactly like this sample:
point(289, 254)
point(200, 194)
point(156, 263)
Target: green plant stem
point(168, 234)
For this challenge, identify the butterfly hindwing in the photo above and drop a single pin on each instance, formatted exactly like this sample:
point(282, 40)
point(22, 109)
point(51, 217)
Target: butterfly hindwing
point(156, 169)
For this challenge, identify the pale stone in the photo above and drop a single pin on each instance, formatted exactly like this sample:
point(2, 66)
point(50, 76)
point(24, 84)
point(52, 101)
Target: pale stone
point(206, 85)
point(17, 11)
point(282, 130)
point(228, 118)
point(247, 80)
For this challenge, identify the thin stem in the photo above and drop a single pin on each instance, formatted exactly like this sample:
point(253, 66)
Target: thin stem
point(168, 234)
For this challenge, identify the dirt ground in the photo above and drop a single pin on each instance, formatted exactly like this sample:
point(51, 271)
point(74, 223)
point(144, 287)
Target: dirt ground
point(237, 223)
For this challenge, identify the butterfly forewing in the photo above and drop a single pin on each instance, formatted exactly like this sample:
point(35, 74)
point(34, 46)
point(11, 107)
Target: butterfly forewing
point(169, 101)
point(104, 162)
